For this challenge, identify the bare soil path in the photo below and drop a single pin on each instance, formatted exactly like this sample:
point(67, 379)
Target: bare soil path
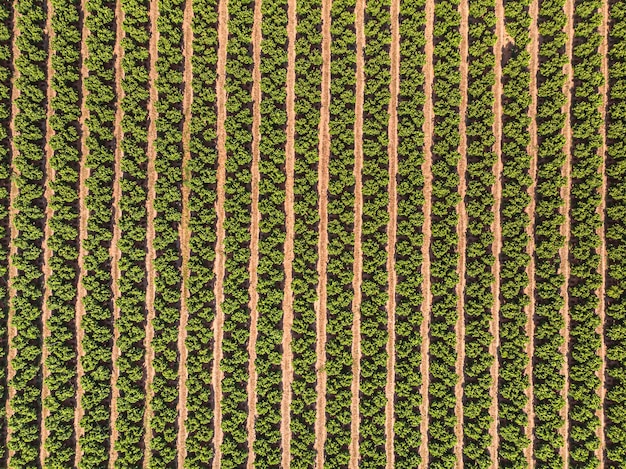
point(47, 253)
point(461, 233)
point(219, 270)
point(183, 234)
point(322, 247)
point(429, 124)
point(254, 228)
point(530, 229)
point(394, 85)
point(13, 193)
point(565, 227)
point(604, 49)
point(287, 357)
point(150, 233)
point(115, 253)
point(82, 236)
point(358, 215)
point(496, 228)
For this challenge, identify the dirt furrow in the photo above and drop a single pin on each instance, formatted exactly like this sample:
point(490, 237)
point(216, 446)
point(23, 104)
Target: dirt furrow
point(183, 233)
point(530, 229)
point(286, 363)
point(150, 233)
point(358, 215)
point(13, 193)
point(461, 233)
point(47, 253)
point(497, 228)
point(565, 227)
point(219, 270)
point(429, 123)
point(322, 247)
point(394, 85)
point(254, 228)
point(601, 453)
point(82, 235)
point(115, 252)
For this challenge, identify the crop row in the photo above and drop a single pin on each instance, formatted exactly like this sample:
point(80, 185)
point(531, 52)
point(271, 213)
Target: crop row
point(308, 76)
point(615, 332)
point(443, 249)
point(341, 184)
point(202, 238)
point(585, 278)
point(374, 285)
point(5, 185)
point(29, 203)
point(237, 206)
point(132, 243)
point(271, 231)
point(479, 201)
point(514, 258)
point(409, 236)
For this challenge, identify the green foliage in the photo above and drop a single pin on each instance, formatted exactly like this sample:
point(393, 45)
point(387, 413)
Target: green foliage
point(374, 285)
point(132, 243)
point(548, 362)
point(237, 206)
point(340, 235)
point(306, 222)
point(615, 331)
point(409, 236)
point(29, 222)
point(514, 259)
point(479, 203)
point(202, 195)
point(443, 249)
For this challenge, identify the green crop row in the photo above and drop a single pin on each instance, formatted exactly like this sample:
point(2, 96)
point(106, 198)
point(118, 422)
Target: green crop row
point(202, 225)
point(374, 285)
point(479, 203)
point(340, 234)
point(98, 302)
point(615, 329)
point(548, 380)
point(307, 104)
point(132, 243)
point(29, 203)
point(585, 278)
point(443, 248)
point(514, 220)
point(409, 236)
point(237, 205)
point(272, 232)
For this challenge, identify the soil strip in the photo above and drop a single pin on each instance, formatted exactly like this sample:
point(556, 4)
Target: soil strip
point(254, 229)
point(394, 84)
point(84, 214)
point(461, 233)
point(428, 127)
point(530, 229)
point(497, 228)
point(219, 269)
point(287, 358)
point(565, 227)
point(150, 233)
point(115, 253)
point(322, 247)
point(184, 233)
point(358, 215)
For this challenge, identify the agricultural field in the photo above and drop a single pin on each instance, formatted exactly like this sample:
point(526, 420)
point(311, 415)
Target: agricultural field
point(313, 234)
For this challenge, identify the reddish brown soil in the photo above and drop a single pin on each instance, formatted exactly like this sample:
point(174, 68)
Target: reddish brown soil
point(287, 364)
point(322, 248)
point(394, 53)
point(461, 233)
